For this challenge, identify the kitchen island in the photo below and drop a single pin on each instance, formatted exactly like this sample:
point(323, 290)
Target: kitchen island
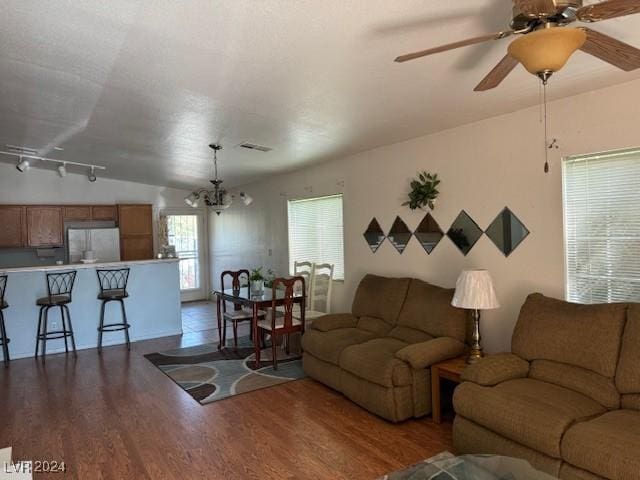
point(153, 306)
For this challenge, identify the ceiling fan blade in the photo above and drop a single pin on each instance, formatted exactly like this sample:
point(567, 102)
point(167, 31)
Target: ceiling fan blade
point(536, 8)
point(608, 9)
point(612, 51)
point(451, 46)
point(498, 74)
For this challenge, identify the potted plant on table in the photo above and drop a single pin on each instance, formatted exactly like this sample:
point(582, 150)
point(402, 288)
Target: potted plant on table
point(258, 280)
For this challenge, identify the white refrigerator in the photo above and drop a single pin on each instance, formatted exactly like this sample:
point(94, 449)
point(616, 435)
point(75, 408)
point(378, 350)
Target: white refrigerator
point(105, 242)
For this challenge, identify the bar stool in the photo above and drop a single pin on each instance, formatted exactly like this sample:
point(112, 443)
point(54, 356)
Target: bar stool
point(59, 288)
point(113, 288)
point(4, 340)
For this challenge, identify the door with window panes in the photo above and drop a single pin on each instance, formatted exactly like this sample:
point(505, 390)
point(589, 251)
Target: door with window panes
point(186, 233)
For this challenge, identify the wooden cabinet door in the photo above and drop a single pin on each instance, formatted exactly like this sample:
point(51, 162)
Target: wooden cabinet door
point(136, 232)
point(44, 226)
point(104, 212)
point(77, 212)
point(12, 226)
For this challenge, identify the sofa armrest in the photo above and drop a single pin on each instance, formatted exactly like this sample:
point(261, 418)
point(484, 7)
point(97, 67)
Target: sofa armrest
point(496, 369)
point(333, 321)
point(424, 354)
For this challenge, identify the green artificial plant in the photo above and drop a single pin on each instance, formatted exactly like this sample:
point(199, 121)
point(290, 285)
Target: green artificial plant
point(423, 192)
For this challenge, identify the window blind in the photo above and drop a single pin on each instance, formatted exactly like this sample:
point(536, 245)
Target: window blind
point(316, 232)
point(602, 227)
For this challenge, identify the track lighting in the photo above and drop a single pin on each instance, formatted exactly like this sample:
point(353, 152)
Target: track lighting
point(193, 200)
point(62, 170)
point(246, 199)
point(92, 174)
point(23, 165)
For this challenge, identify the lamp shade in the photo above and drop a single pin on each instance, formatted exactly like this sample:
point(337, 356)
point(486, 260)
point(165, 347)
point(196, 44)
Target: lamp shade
point(474, 290)
point(548, 49)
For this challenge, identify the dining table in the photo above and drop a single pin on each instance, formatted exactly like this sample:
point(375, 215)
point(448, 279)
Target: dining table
point(255, 301)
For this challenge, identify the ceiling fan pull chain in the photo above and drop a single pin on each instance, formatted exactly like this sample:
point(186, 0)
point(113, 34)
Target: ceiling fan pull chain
point(546, 139)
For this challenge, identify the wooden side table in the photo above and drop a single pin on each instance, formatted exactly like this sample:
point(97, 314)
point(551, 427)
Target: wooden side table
point(449, 369)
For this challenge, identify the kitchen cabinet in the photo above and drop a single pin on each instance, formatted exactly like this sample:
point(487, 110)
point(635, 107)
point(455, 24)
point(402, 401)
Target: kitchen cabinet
point(44, 226)
point(12, 226)
point(104, 212)
point(77, 212)
point(136, 231)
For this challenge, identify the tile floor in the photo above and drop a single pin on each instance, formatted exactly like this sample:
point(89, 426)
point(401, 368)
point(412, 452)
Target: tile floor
point(198, 316)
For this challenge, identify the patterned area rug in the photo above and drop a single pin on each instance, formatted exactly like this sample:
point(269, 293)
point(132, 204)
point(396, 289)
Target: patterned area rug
point(209, 374)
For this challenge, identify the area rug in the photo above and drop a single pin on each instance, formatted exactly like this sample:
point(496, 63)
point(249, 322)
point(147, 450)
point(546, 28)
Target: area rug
point(209, 374)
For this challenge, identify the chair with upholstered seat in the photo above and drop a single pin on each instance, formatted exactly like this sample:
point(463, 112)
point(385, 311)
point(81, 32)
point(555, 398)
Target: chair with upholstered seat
point(4, 339)
point(282, 322)
point(237, 314)
point(59, 289)
point(113, 288)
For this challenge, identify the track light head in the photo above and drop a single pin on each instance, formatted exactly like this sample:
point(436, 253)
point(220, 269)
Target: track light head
point(192, 200)
point(23, 165)
point(246, 199)
point(62, 170)
point(92, 175)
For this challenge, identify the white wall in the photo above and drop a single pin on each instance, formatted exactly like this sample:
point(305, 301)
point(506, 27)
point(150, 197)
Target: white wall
point(484, 167)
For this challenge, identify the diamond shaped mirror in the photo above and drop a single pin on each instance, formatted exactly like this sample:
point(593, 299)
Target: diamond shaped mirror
point(399, 235)
point(507, 232)
point(464, 232)
point(374, 235)
point(428, 233)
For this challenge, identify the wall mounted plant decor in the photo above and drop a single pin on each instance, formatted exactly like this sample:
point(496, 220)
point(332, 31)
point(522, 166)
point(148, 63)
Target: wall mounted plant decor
point(424, 191)
point(374, 235)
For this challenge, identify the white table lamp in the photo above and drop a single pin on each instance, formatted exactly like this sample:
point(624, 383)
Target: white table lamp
point(474, 291)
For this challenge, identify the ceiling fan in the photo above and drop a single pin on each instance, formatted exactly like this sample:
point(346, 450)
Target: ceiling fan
point(545, 44)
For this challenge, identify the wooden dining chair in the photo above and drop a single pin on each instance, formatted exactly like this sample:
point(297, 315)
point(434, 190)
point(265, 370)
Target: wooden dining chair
point(282, 322)
point(237, 314)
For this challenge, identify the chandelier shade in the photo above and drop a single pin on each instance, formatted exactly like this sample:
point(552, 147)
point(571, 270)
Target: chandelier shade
point(547, 50)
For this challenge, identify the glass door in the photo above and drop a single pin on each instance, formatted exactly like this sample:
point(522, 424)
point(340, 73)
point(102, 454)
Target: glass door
point(186, 233)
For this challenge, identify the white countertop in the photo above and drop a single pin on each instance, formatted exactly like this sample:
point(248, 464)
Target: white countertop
point(76, 266)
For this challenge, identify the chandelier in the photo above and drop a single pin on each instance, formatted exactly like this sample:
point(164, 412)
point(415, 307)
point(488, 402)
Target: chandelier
point(217, 199)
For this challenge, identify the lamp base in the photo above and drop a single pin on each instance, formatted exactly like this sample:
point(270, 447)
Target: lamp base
point(475, 354)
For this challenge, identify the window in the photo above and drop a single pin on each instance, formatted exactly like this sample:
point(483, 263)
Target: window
point(602, 227)
point(182, 232)
point(316, 232)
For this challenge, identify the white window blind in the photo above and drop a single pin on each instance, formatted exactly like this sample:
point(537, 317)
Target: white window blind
point(602, 227)
point(316, 232)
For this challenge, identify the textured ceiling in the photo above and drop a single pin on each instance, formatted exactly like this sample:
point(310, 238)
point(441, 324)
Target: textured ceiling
point(143, 86)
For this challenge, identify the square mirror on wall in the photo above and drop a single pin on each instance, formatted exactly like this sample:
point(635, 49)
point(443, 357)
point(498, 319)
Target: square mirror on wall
point(399, 235)
point(507, 231)
point(374, 235)
point(428, 233)
point(464, 232)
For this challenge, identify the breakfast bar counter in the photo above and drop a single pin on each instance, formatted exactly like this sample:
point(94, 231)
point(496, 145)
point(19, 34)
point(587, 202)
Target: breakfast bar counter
point(153, 305)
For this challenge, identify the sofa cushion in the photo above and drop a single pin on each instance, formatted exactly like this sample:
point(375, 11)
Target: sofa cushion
point(586, 336)
point(608, 445)
point(631, 402)
point(428, 308)
point(597, 387)
point(380, 297)
point(376, 362)
point(329, 345)
point(628, 374)
point(333, 321)
point(424, 354)
point(374, 325)
point(530, 412)
point(409, 335)
point(496, 369)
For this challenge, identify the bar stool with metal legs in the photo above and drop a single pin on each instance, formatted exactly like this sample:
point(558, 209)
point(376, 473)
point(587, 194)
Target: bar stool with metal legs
point(4, 339)
point(113, 288)
point(59, 288)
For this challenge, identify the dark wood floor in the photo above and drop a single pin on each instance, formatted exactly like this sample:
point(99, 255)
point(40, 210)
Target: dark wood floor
point(115, 416)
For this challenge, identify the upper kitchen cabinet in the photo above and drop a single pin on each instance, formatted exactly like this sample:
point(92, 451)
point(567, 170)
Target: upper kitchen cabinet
point(44, 226)
point(104, 212)
point(12, 226)
point(136, 231)
point(77, 212)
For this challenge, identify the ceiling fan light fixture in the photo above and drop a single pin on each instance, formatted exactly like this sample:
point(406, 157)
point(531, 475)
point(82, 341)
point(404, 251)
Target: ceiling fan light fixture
point(547, 50)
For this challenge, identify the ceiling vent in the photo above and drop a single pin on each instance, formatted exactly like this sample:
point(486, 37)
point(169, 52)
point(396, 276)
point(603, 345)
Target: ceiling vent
point(255, 146)
point(21, 150)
